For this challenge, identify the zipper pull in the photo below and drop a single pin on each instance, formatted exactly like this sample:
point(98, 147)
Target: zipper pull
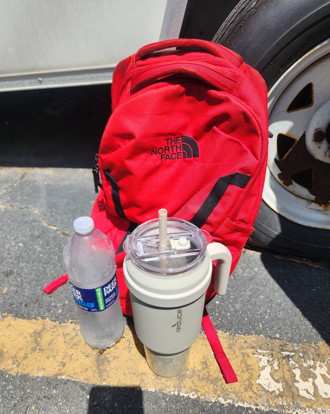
point(96, 174)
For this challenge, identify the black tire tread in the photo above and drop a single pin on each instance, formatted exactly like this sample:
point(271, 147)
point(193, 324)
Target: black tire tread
point(236, 21)
point(300, 26)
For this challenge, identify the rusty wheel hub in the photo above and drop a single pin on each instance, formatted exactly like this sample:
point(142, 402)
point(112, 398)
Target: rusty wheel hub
point(318, 136)
point(299, 160)
point(298, 177)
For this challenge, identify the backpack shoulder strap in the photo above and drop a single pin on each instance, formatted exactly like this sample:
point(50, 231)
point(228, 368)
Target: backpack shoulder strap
point(225, 366)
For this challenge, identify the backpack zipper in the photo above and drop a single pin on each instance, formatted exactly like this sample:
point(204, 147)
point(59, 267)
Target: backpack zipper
point(96, 174)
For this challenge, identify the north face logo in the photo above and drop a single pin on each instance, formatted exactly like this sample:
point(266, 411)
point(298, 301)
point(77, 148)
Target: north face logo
point(177, 148)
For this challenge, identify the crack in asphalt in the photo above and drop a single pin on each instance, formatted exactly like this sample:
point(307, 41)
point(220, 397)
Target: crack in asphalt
point(34, 210)
point(20, 178)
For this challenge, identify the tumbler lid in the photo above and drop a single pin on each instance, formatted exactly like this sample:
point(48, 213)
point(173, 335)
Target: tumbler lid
point(185, 248)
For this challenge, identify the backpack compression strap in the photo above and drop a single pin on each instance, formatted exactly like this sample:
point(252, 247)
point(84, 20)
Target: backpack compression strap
point(217, 192)
point(55, 284)
point(226, 369)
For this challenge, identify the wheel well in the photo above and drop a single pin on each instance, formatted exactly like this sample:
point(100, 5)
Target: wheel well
point(204, 17)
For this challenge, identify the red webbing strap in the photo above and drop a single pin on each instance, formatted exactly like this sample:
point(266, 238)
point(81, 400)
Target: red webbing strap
point(226, 369)
point(214, 49)
point(55, 284)
point(224, 80)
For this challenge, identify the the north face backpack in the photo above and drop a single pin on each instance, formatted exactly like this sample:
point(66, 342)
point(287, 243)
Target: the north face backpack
point(189, 133)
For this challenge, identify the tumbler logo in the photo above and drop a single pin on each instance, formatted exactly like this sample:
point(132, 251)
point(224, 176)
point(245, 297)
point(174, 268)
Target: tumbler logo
point(177, 148)
point(179, 321)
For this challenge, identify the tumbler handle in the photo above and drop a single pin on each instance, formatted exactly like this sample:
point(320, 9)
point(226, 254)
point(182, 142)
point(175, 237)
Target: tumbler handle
point(222, 255)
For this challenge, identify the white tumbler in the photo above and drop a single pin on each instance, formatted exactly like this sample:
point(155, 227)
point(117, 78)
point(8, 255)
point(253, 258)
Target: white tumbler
point(167, 284)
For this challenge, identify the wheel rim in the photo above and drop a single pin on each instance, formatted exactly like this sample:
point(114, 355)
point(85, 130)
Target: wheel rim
point(297, 184)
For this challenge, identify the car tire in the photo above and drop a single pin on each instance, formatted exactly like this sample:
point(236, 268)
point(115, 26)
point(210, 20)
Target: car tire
point(272, 36)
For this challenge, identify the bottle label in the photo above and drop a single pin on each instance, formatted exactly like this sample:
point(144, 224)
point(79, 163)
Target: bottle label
point(96, 300)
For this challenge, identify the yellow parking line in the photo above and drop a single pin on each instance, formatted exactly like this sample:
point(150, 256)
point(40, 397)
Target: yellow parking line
point(272, 374)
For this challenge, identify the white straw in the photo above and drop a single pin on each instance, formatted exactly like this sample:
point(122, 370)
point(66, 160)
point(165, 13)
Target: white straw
point(162, 215)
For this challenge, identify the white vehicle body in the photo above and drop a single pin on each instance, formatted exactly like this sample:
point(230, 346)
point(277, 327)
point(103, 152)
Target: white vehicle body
point(75, 42)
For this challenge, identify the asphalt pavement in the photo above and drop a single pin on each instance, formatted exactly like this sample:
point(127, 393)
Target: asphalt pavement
point(273, 321)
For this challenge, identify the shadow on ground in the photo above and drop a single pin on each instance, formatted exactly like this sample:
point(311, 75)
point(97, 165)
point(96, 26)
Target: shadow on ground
point(59, 128)
point(307, 286)
point(105, 400)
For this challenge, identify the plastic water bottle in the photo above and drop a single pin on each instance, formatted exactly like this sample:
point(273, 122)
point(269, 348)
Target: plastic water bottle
point(89, 259)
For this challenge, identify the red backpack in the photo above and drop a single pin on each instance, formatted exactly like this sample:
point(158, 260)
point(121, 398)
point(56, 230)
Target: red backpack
point(189, 133)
